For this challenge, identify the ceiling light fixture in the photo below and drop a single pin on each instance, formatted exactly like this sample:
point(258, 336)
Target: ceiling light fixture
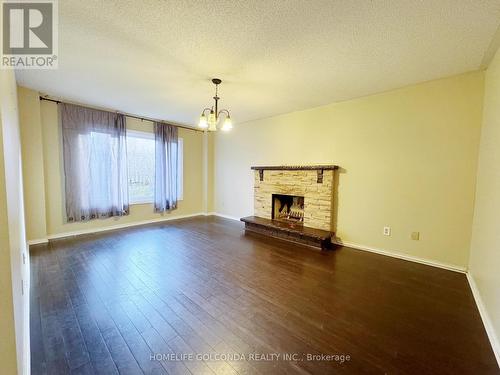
point(210, 122)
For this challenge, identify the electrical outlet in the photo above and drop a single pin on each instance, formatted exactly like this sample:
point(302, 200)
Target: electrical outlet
point(387, 231)
point(415, 236)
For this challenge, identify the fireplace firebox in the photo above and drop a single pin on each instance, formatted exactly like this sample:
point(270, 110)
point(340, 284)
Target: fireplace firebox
point(288, 208)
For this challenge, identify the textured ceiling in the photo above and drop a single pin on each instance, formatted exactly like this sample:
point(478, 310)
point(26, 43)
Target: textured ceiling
point(156, 58)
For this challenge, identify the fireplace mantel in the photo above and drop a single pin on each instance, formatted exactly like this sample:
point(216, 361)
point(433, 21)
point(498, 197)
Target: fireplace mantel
point(319, 168)
point(295, 167)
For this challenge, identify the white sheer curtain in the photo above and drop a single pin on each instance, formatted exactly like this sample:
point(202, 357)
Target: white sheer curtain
point(166, 167)
point(95, 163)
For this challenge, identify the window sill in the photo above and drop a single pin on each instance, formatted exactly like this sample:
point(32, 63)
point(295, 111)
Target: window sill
point(138, 203)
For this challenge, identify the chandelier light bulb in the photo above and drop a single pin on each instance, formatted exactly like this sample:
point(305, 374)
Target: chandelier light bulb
point(203, 122)
point(228, 124)
point(212, 120)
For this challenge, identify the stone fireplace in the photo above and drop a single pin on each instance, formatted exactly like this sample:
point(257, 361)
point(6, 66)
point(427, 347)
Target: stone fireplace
point(295, 202)
point(315, 186)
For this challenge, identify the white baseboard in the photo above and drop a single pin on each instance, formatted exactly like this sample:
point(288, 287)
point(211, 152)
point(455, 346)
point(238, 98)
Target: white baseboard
point(38, 241)
point(223, 215)
point(488, 325)
point(109, 228)
point(428, 262)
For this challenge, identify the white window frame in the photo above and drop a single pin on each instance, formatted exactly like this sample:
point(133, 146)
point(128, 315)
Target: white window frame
point(149, 135)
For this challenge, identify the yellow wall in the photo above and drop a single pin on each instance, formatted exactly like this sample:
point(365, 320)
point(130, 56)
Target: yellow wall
point(408, 161)
point(7, 331)
point(14, 305)
point(52, 181)
point(485, 247)
point(32, 154)
point(210, 173)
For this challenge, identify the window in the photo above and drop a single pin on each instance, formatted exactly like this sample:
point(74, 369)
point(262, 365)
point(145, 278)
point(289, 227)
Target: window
point(141, 167)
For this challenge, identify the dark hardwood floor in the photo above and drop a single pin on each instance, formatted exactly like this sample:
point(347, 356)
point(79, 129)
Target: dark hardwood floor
point(104, 304)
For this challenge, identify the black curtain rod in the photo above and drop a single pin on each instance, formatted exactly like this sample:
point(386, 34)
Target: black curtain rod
point(126, 114)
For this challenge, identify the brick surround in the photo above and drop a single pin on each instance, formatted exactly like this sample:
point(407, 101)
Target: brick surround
point(318, 196)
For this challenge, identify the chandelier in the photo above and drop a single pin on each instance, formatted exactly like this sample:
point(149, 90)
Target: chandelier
point(214, 114)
